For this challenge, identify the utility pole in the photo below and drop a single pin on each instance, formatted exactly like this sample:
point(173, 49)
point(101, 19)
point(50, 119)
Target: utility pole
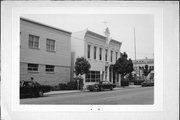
point(135, 44)
point(135, 52)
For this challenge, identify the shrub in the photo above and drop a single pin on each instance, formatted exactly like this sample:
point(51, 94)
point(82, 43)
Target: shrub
point(63, 86)
point(54, 88)
point(72, 85)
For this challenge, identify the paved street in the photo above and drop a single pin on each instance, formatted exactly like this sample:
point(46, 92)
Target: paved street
point(144, 95)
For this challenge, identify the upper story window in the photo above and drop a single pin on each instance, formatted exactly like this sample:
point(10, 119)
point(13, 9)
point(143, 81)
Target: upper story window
point(100, 53)
point(111, 56)
point(116, 55)
point(50, 45)
point(32, 67)
point(33, 41)
point(89, 51)
point(95, 52)
point(49, 68)
point(106, 54)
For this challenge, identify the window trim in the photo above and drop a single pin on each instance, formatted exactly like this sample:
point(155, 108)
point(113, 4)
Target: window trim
point(89, 51)
point(100, 54)
point(95, 52)
point(49, 50)
point(106, 54)
point(96, 79)
point(33, 46)
point(53, 68)
point(111, 56)
point(28, 67)
point(116, 56)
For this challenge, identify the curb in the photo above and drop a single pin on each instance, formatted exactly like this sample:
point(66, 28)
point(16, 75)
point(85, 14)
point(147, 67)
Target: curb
point(66, 92)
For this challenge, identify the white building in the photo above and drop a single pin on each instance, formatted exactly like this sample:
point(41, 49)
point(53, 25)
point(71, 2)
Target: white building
point(101, 52)
point(139, 65)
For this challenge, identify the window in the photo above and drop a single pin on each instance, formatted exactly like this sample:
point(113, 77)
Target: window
point(32, 67)
point(95, 52)
point(89, 49)
point(33, 41)
point(93, 76)
point(100, 53)
point(116, 55)
point(49, 68)
point(111, 56)
point(106, 54)
point(50, 45)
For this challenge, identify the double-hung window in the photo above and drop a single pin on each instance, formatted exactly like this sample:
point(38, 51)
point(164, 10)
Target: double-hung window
point(100, 53)
point(89, 51)
point(33, 41)
point(95, 52)
point(50, 45)
point(116, 55)
point(111, 56)
point(106, 54)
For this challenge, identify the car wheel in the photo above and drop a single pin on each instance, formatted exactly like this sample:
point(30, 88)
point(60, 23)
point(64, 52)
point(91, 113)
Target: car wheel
point(40, 93)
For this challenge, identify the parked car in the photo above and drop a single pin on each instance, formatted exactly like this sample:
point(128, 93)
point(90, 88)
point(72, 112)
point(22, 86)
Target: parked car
point(147, 84)
point(33, 89)
point(101, 86)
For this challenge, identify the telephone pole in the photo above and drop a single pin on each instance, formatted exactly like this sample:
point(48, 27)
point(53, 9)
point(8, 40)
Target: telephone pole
point(135, 44)
point(136, 69)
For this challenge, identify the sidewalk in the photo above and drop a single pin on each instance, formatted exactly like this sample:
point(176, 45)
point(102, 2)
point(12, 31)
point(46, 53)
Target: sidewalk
point(78, 91)
point(61, 92)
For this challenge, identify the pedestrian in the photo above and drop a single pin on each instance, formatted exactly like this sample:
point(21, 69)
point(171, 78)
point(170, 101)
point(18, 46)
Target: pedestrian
point(32, 79)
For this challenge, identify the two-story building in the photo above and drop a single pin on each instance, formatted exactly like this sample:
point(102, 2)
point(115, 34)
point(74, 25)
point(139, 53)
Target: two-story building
point(139, 65)
point(101, 52)
point(45, 53)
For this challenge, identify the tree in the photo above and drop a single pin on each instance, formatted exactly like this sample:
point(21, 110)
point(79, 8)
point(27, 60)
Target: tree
point(123, 65)
point(82, 66)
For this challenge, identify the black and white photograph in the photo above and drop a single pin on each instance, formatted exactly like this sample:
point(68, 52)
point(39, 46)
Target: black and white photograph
point(89, 60)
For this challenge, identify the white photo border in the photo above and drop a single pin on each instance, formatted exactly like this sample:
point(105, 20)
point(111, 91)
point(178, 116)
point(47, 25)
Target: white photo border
point(158, 57)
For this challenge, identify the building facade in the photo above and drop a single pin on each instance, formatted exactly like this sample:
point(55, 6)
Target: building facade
point(101, 54)
point(45, 53)
point(139, 65)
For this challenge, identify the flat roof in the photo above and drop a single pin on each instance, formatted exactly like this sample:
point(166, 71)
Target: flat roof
point(38, 23)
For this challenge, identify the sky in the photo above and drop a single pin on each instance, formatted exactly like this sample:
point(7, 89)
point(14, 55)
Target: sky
point(123, 27)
